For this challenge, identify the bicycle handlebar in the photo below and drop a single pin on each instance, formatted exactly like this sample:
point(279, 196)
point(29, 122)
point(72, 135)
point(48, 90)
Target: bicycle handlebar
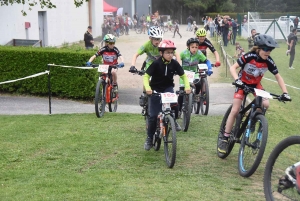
point(110, 66)
point(138, 72)
point(248, 89)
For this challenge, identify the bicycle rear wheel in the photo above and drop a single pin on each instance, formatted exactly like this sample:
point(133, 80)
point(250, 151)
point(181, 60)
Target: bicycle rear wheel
point(138, 30)
point(170, 141)
point(156, 137)
point(253, 146)
point(100, 98)
point(276, 185)
point(231, 140)
point(113, 104)
point(204, 97)
point(186, 110)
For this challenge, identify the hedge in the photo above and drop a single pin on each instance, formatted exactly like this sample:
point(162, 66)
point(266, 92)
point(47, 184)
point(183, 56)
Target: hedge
point(18, 62)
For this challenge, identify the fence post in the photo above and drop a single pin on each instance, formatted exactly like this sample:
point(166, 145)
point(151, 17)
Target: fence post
point(49, 88)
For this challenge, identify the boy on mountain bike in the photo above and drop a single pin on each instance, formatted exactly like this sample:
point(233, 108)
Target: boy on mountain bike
point(205, 43)
point(162, 72)
point(150, 48)
point(190, 58)
point(253, 66)
point(110, 55)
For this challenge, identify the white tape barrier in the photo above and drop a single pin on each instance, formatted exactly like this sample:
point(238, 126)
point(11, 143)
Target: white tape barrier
point(80, 67)
point(31, 76)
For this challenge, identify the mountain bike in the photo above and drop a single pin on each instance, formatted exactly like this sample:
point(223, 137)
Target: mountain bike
point(166, 129)
point(250, 130)
point(201, 103)
point(281, 175)
point(105, 93)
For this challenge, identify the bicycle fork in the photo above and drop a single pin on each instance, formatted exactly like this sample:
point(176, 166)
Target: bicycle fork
point(255, 144)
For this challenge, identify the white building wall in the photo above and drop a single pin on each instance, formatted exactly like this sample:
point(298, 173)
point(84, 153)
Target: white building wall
point(63, 24)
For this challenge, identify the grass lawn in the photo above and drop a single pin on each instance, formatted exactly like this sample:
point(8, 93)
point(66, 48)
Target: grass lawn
point(81, 157)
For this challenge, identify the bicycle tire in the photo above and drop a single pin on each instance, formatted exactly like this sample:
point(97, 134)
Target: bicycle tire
point(284, 155)
point(197, 104)
point(166, 29)
point(170, 141)
point(138, 30)
point(113, 104)
point(100, 98)
point(220, 136)
point(186, 111)
point(122, 31)
point(204, 97)
point(250, 155)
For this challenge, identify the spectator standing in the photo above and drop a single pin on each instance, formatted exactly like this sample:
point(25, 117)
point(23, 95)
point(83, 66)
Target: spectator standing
point(292, 41)
point(235, 26)
point(211, 26)
point(189, 21)
point(136, 20)
point(117, 26)
point(88, 38)
point(225, 31)
point(251, 39)
point(176, 29)
point(105, 29)
point(296, 21)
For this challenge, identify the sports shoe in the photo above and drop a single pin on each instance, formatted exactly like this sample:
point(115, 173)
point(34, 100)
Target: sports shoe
point(178, 128)
point(222, 147)
point(148, 144)
point(291, 67)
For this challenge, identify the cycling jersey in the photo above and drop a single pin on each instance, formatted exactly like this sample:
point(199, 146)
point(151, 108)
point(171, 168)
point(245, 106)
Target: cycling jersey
point(151, 51)
point(110, 56)
point(206, 44)
point(253, 68)
point(190, 62)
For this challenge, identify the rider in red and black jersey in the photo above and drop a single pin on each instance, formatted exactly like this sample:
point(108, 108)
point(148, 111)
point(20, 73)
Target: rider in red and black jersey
point(205, 43)
point(110, 55)
point(253, 65)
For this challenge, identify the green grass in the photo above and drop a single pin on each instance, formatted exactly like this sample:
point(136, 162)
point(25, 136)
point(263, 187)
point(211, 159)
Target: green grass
point(81, 157)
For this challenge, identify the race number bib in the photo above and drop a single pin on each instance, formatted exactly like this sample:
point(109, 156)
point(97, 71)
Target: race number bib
point(103, 68)
point(168, 98)
point(202, 67)
point(263, 93)
point(190, 75)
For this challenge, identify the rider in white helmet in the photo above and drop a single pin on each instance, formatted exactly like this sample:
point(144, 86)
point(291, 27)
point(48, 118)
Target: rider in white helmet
point(150, 48)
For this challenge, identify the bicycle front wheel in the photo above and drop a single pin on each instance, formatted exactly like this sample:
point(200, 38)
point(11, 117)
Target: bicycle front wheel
point(113, 103)
point(138, 30)
point(204, 97)
point(277, 186)
point(187, 110)
point(100, 98)
point(170, 141)
point(253, 146)
point(166, 29)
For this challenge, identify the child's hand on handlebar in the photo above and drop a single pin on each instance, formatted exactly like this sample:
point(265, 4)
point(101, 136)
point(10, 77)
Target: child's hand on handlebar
point(121, 65)
point(88, 63)
point(149, 92)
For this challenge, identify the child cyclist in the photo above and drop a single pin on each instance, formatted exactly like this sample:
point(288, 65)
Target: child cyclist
point(190, 58)
point(161, 72)
point(205, 43)
point(150, 48)
point(253, 66)
point(110, 55)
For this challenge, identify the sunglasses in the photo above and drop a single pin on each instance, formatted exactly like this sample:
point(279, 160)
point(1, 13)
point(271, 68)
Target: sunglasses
point(267, 49)
point(157, 39)
point(111, 43)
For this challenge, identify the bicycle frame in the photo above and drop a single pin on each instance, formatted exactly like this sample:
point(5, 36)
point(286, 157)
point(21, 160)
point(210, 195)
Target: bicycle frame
point(106, 75)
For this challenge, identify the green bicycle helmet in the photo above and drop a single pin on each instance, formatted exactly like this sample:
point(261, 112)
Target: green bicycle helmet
point(201, 32)
point(109, 38)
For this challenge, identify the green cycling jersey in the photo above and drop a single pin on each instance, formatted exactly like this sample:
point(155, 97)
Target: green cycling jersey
point(151, 51)
point(190, 62)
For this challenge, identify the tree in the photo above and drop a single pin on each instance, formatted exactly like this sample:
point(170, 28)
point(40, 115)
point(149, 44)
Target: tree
point(32, 3)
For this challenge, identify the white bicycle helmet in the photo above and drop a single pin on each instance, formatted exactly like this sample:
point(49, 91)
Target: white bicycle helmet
point(155, 32)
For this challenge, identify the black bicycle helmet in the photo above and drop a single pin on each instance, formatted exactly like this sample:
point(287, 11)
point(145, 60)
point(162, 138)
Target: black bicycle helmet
point(263, 40)
point(192, 40)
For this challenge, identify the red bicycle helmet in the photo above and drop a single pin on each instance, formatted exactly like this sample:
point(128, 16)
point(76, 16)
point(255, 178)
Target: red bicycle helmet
point(166, 44)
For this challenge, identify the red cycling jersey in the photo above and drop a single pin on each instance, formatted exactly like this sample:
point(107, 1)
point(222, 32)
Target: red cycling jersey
point(110, 56)
point(206, 44)
point(253, 68)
